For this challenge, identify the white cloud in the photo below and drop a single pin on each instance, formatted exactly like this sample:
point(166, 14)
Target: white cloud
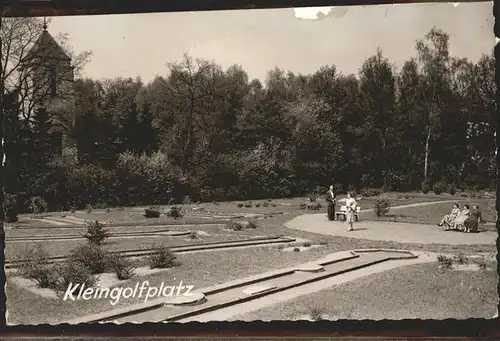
point(311, 13)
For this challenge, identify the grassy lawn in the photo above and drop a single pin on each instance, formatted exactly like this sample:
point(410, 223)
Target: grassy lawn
point(419, 291)
point(131, 215)
point(432, 214)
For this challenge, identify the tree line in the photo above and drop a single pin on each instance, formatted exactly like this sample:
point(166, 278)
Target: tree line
point(214, 134)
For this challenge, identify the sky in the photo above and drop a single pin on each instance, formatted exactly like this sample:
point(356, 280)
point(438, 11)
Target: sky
point(292, 39)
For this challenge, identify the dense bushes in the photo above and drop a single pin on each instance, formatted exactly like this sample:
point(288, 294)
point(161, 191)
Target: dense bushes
point(82, 266)
point(151, 212)
point(152, 180)
point(439, 187)
point(371, 192)
point(174, 212)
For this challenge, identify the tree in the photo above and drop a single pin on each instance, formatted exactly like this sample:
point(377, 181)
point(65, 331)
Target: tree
point(408, 125)
point(317, 149)
point(377, 86)
point(191, 99)
point(434, 60)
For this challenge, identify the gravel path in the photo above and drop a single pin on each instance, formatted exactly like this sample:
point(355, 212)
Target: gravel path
point(389, 231)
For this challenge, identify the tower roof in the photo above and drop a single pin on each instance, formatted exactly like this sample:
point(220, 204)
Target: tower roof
point(46, 47)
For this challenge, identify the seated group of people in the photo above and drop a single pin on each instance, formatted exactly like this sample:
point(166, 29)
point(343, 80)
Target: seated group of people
point(465, 220)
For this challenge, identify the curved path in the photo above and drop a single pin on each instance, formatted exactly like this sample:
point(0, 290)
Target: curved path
point(389, 231)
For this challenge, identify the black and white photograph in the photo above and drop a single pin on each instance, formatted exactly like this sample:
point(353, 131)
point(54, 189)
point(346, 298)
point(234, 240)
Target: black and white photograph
point(319, 163)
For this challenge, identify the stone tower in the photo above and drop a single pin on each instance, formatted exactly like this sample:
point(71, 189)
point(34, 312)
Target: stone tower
point(49, 83)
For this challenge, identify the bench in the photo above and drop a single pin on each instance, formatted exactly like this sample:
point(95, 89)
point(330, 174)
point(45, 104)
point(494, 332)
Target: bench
point(343, 211)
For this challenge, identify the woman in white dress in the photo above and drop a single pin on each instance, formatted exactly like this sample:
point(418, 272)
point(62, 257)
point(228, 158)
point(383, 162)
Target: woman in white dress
point(350, 204)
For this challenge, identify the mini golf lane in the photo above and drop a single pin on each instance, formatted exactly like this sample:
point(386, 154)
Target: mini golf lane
point(115, 235)
point(228, 298)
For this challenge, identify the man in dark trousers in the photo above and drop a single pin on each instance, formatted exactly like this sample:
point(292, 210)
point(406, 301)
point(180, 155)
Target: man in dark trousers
point(330, 197)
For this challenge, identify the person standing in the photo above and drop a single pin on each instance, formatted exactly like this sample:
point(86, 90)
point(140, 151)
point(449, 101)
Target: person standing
point(330, 197)
point(350, 213)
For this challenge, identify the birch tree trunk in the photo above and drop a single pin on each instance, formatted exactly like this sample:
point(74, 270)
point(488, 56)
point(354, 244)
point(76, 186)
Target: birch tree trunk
point(426, 161)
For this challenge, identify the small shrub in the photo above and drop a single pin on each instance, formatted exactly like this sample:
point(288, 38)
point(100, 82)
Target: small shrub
point(10, 208)
point(381, 207)
point(281, 247)
point(46, 277)
point(296, 249)
point(314, 207)
point(122, 267)
point(92, 257)
point(371, 192)
point(161, 258)
point(313, 197)
point(303, 206)
point(464, 195)
point(72, 209)
point(175, 212)
point(151, 212)
point(307, 244)
point(108, 210)
point(273, 204)
point(72, 273)
point(35, 266)
point(241, 225)
point(216, 203)
point(248, 204)
point(193, 235)
point(38, 205)
point(452, 189)
point(235, 226)
point(265, 204)
point(239, 205)
point(323, 242)
point(96, 233)
point(316, 314)
point(257, 204)
point(89, 208)
point(445, 262)
point(439, 187)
